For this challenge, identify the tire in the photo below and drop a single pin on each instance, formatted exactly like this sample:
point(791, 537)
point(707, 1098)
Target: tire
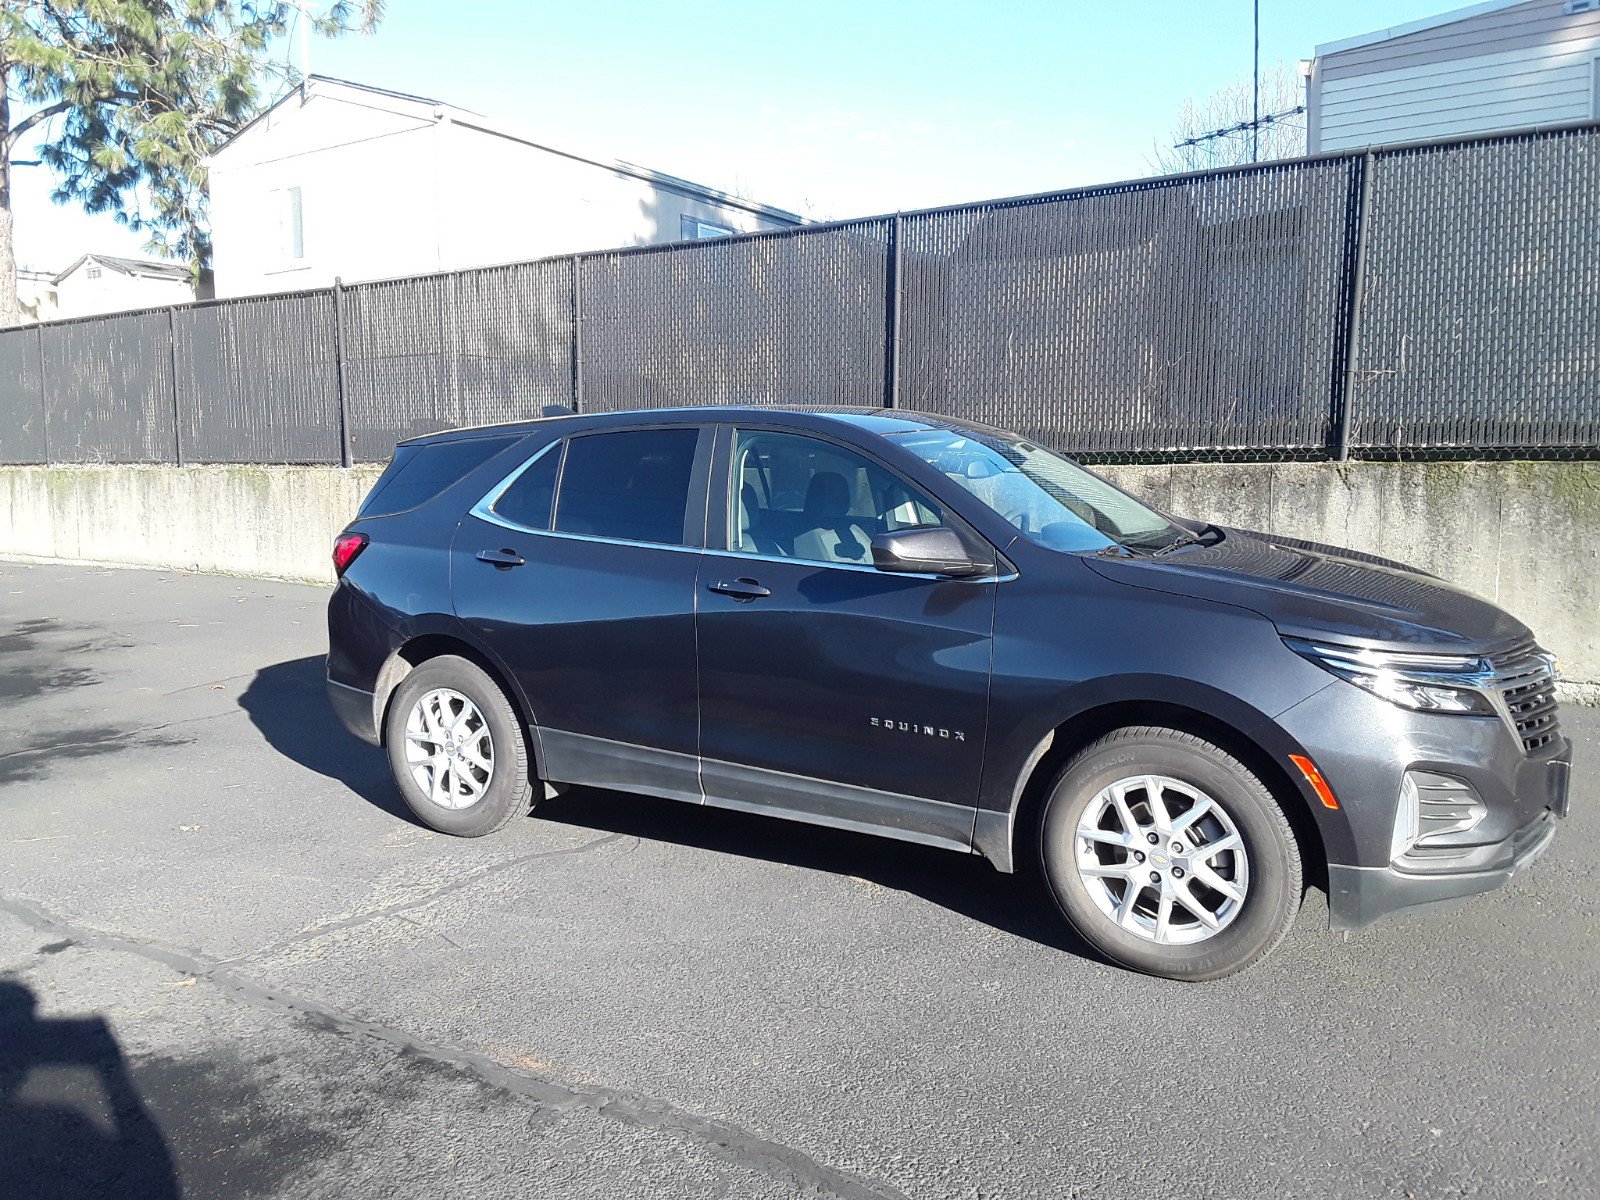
point(1089, 873)
point(502, 792)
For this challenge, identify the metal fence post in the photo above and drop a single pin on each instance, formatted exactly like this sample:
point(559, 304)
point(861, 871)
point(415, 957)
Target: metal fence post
point(44, 392)
point(1356, 264)
point(341, 387)
point(577, 333)
point(172, 362)
point(891, 318)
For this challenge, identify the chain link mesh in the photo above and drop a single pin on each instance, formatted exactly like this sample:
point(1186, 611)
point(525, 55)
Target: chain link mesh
point(1480, 315)
point(451, 350)
point(256, 380)
point(796, 319)
point(1169, 319)
point(1212, 316)
point(108, 389)
point(21, 398)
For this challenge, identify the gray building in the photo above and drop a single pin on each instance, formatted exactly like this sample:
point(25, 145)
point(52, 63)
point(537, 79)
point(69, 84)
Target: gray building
point(1505, 64)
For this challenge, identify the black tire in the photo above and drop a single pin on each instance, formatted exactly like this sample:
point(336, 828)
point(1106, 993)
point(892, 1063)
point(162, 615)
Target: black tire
point(510, 790)
point(1271, 898)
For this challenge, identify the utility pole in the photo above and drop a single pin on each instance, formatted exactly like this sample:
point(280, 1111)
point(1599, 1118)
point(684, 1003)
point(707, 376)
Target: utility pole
point(1255, 90)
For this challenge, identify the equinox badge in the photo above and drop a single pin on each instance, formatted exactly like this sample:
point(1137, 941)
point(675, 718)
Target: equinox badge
point(913, 727)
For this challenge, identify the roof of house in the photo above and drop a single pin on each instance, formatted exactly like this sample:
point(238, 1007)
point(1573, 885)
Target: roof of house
point(1433, 22)
point(497, 128)
point(143, 268)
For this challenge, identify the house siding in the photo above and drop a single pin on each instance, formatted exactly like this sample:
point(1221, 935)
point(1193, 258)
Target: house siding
point(406, 188)
point(1518, 66)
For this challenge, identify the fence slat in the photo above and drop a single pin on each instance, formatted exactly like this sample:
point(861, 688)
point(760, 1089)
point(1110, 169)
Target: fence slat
point(1434, 299)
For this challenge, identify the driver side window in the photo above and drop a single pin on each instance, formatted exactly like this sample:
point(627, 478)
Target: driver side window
point(801, 497)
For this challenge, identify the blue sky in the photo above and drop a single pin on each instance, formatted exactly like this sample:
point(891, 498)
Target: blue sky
point(835, 109)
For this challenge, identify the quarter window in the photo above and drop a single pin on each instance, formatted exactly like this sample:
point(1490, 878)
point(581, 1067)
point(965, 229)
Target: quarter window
point(633, 486)
point(531, 497)
point(804, 498)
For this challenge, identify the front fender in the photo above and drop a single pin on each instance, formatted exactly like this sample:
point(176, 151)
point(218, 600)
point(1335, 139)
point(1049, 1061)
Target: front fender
point(1081, 712)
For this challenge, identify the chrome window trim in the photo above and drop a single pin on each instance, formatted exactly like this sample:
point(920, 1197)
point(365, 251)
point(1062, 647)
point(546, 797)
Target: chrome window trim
point(484, 511)
point(843, 566)
point(484, 508)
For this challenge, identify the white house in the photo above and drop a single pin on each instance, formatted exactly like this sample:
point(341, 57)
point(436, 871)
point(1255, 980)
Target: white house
point(1505, 64)
point(102, 283)
point(343, 180)
point(36, 293)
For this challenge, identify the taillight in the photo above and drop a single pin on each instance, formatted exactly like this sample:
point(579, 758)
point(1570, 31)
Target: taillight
point(345, 548)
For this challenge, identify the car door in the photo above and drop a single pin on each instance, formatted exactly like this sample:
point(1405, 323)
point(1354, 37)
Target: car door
point(830, 690)
point(578, 570)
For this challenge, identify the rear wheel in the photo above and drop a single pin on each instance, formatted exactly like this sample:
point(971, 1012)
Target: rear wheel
point(1169, 856)
point(456, 749)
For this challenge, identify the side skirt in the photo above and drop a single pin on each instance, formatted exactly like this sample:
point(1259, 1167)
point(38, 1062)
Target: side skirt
point(598, 762)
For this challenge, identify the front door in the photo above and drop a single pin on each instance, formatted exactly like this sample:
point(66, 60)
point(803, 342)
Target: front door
point(579, 572)
point(830, 690)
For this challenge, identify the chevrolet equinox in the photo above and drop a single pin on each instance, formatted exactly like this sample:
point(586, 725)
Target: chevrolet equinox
point(933, 630)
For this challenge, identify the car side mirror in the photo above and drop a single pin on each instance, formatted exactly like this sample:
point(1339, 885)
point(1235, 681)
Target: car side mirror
point(938, 551)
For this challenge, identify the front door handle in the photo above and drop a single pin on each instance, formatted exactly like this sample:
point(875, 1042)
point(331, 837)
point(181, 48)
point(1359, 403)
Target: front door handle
point(501, 558)
point(740, 589)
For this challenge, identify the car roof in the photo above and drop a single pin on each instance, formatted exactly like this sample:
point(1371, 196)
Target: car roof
point(885, 422)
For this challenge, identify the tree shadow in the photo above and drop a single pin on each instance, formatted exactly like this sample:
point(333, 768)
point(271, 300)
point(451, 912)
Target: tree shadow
point(288, 703)
point(72, 1125)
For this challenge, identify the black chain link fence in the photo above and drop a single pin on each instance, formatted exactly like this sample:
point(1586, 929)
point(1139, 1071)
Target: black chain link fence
point(1437, 300)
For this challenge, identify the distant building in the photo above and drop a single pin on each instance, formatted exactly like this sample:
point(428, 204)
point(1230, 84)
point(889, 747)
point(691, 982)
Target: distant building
point(36, 293)
point(102, 283)
point(346, 180)
point(1505, 64)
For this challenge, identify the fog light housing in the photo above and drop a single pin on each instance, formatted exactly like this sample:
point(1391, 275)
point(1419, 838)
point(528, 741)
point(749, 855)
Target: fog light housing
point(1435, 813)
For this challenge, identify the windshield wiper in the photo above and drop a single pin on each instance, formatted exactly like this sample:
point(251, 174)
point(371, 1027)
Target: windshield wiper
point(1189, 539)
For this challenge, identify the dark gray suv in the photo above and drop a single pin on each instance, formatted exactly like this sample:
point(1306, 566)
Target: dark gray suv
point(937, 631)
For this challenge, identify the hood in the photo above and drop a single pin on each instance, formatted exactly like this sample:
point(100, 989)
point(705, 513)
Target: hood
point(1315, 591)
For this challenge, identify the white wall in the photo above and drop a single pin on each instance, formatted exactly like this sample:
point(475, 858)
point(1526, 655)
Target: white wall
point(1527, 64)
point(386, 193)
point(80, 296)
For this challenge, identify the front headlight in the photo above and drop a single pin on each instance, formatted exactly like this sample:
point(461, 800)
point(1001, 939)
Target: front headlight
point(1443, 683)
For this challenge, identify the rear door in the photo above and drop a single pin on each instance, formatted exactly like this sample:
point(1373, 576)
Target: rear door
point(830, 690)
point(579, 570)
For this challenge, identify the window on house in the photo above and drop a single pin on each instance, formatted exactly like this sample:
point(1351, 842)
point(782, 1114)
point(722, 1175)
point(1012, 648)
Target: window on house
point(91, 273)
point(698, 227)
point(290, 217)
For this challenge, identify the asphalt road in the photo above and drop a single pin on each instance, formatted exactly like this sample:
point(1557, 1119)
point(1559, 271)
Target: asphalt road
point(230, 965)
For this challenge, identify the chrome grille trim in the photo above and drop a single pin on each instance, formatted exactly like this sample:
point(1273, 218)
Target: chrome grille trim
point(1523, 685)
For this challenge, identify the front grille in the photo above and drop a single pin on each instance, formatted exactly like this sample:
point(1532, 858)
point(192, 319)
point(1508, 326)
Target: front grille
point(1527, 684)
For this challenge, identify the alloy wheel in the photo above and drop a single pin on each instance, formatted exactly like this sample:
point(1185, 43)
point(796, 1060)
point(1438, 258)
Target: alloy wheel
point(449, 749)
point(1162, 859)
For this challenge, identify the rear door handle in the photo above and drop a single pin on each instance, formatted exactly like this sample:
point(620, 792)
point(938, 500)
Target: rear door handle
point(740, 589)
point(501, 558)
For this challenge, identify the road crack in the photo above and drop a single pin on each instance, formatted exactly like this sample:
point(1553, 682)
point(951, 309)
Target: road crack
point(727, 1141)
point(404, 906)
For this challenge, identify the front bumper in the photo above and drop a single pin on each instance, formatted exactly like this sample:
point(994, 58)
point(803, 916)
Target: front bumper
point(1358, 896)
point(1364, 747)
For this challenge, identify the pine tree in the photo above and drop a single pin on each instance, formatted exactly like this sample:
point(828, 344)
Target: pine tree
point(130, 96)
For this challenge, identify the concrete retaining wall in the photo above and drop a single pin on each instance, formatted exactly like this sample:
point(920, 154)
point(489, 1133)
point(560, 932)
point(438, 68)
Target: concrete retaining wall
point(277, 522)
point(1526, 535)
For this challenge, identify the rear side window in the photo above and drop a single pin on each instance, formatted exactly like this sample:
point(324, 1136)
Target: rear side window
point(419, 473)
point(633, 486)
point(531, 495)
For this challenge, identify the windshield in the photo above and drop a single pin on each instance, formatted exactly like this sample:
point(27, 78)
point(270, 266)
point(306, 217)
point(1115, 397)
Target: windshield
point(1050, 500)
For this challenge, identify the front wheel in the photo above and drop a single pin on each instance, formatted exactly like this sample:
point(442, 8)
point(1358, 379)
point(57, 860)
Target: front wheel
point(456, 748)
point(1169, 856)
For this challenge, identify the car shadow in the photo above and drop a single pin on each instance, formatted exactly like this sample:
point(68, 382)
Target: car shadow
point(72, 1124)
point(288, 703)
